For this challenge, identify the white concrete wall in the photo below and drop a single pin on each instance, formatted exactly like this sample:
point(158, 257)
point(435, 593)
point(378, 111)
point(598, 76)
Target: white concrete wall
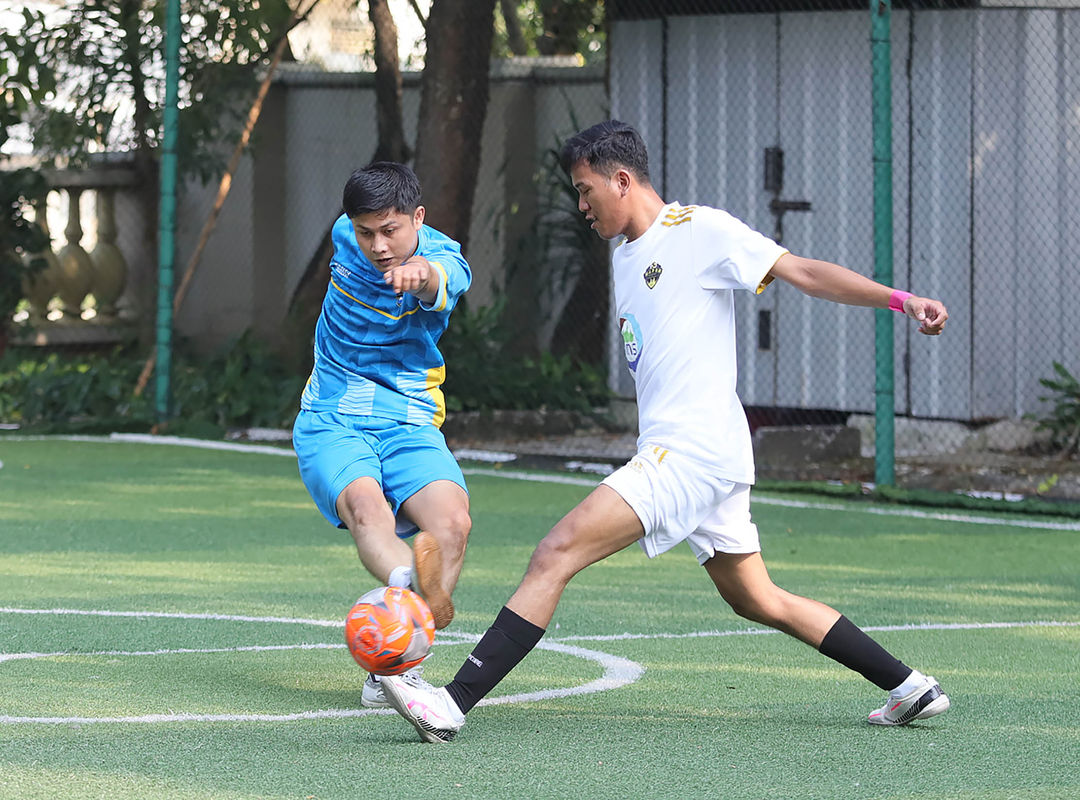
point(316, 128)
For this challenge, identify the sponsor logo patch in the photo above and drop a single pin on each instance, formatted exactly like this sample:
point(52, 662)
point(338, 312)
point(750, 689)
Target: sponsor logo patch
point(632, 343)
point(652, 274)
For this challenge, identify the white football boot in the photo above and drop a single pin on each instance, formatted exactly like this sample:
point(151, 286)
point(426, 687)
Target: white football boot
point(924, 701)
point(373, 697)
point(431, 711)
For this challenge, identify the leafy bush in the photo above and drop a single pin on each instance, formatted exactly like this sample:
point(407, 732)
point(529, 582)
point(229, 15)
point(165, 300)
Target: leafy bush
point(1063, 421)
point(246, 384)
point(482, 373)
point(71, 391)
point(19, 237)
point(242, 386)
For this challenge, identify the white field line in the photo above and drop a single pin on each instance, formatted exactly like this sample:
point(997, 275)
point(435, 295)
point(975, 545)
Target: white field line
point(767, 500)
point(617, 671)
point(573, 480)
point(324, 623)
point(922, 626)
point(460, 637)
point(146, 438)
point(855, 508)
point(173, 652)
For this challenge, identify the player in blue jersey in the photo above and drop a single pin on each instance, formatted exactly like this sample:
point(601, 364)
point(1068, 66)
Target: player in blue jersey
point(367, 435)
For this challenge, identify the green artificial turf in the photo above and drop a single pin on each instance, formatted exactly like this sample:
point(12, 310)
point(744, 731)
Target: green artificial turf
point(165, 539)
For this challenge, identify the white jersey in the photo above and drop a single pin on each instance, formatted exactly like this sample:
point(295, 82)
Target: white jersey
point(674, 298)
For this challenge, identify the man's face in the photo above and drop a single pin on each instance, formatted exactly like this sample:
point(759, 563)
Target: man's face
point(388, 238)
point(599, 199)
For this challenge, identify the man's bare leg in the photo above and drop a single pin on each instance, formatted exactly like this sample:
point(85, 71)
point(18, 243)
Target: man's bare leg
point(441, 511)
point(363, 509)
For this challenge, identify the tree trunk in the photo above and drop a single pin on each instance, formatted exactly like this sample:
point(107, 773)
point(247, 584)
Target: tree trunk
point(145, 164)
point(453, 104)
point(515, 39)
point(392, 146)
point(306, 302)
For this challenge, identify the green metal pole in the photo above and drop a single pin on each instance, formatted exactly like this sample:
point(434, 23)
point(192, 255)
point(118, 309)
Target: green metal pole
point(884, 405)
point(167, 211)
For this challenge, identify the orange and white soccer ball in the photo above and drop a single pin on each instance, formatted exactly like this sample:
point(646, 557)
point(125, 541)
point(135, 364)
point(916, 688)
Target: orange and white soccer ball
point(389, 630)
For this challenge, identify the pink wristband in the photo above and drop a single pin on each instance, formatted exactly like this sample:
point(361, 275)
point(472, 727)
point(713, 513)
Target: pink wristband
point(896, 301)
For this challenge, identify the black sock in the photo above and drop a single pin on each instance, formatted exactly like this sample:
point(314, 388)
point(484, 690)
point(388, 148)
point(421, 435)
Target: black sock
point(507, 641)
point(855, 650)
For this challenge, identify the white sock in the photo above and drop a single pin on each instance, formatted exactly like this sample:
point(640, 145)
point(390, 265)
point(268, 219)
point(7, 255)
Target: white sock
point(400, 576)
point(914, 680)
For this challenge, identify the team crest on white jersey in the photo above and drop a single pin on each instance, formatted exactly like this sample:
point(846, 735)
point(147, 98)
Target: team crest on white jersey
point(632, 343)
point(652, 274)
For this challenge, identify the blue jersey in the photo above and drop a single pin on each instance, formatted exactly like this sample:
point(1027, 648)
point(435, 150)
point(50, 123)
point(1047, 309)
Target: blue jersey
point(376, 352)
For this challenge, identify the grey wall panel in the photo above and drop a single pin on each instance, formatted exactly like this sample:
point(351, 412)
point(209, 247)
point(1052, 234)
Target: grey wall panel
point(986, 168)
point(940, 143)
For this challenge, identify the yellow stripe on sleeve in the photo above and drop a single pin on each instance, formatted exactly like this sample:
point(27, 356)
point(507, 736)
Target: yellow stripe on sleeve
point(444, 286)
point(769, 277)
point(366, 305)
point(677, 216)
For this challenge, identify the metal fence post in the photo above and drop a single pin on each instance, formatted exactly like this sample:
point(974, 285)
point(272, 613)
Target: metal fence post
point(884, 407)
point(167, 211)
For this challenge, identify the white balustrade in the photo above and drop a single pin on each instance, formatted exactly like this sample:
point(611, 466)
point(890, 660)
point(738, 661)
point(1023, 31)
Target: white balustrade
point(75, 298)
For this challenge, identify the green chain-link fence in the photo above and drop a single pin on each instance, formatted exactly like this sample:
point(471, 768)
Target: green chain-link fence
point(765, 109)
point(761, 108)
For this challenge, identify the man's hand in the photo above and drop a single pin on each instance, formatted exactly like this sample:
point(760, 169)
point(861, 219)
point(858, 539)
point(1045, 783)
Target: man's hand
point(930, 314)
point(416, 276)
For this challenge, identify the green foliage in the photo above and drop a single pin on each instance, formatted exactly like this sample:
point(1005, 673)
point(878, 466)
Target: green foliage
point(23, 79)
point(1063, 421)
point(21, 84)
point(482, 372)
point(566, 240)
point(557, 274)
point(551, 27)
point(242, 386)
point(19, 237)
point(79, 391)
point(111, 55)
point(1047, 485)
point(247, 385)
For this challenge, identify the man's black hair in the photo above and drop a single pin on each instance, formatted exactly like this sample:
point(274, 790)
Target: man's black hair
point(605, 147)
point(381, 186)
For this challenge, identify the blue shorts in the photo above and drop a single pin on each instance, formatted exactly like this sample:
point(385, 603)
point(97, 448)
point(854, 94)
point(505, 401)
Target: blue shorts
point(333, 450)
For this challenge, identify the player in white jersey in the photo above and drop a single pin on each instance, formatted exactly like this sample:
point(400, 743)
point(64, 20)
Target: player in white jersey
point(690, 481)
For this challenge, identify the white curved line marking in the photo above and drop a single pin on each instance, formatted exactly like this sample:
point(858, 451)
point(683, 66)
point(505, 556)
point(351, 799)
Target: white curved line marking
point(617, 671)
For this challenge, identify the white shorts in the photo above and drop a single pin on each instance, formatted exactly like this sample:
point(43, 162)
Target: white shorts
point(677, 500)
